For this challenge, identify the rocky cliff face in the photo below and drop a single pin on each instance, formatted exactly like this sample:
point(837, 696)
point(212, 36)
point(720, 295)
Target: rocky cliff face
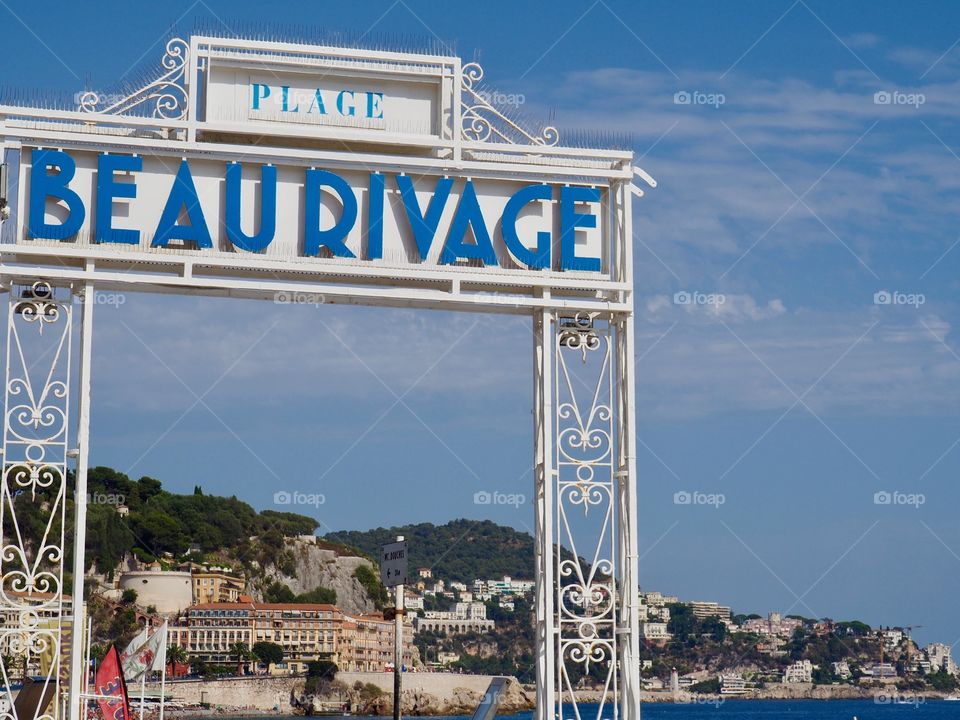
point(457, 701)
point(314, 566)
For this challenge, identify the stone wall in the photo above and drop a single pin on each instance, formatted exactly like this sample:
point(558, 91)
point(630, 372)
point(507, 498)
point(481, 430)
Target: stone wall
point(423, 693)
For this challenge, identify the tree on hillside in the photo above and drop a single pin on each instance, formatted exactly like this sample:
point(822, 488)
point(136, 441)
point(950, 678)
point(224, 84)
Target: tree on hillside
point(371, 583)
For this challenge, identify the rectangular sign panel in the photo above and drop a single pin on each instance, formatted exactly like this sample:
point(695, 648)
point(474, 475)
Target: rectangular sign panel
point(393, 564)
point(201, 206)
point(327, 97)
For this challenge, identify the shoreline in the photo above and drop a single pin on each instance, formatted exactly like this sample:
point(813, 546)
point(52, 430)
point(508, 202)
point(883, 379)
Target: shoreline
point(454, 694)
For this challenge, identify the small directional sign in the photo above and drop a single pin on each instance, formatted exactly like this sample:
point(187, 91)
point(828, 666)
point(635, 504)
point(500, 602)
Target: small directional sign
point(393, 564)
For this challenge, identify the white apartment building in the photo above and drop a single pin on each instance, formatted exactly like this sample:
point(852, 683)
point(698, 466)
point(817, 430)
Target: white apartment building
point(892, 638)
point(654, 631)
point(657, 599)
point(800, 672)
point(661, 613)
point(703, 609)
point(842, 670)
point(412, 601)
point(470, 611)
point(509, 586)
point(732, 684)
point(940, 658)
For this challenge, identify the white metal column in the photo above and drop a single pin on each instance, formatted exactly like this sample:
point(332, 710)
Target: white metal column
point(626, 371)
point(629, 585)
point(80, 496)
point(543, 340)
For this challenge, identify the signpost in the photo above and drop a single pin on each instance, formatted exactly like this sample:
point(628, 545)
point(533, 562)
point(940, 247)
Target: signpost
point(393, 572)
point(393, 563)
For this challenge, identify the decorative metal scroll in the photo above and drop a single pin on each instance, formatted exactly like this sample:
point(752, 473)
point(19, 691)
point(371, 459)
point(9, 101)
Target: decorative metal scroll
point(33, 494)
point(165, 98)
point(482, 122)
point(586, 613)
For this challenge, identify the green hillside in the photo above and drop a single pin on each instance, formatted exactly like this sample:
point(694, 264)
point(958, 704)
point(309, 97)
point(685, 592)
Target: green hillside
point(161, 522)
point(458, 550)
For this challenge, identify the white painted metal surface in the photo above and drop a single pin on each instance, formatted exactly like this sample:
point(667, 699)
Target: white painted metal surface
point(440, 124)
point(33, 487)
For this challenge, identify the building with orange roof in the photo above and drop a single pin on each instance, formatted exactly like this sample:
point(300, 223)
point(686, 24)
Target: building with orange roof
point(305, 631)
point(367, 643)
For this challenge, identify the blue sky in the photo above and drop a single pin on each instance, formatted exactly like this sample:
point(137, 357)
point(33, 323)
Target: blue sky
point(786, 184)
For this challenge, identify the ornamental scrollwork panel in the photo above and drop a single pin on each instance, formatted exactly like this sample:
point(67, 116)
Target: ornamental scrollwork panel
point(33, 489)
point(482, 121)
point(586, 503)
point(165, 98)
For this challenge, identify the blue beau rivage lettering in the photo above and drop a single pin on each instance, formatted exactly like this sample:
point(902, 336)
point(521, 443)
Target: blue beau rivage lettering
point(182, 218)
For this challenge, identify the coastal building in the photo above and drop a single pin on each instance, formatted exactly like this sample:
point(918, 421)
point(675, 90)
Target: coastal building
point(703, 610)
point(772, 646)
point(655, 632)
point(487, 589)
point(662, 613)
point(940, 658)
point(305, 631)
point(216, 586)
point(823, 628)
point(425, 573)
point(412, 601)
point(461, 611)
point(366, 644)
point(509, 586)
point(732, 684)
point(169, 591)
point(774, 625)
point(452, 625)
point(841, 670)
point(657, 599)
point(892, 637)
point(445, 658)
point(880, 671)
point(799, 672)
point(653, 684)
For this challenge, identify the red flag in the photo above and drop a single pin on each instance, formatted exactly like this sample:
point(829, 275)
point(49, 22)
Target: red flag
point(111, 688)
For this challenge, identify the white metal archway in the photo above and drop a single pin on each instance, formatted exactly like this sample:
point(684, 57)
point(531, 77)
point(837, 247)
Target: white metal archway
point(448, 128)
